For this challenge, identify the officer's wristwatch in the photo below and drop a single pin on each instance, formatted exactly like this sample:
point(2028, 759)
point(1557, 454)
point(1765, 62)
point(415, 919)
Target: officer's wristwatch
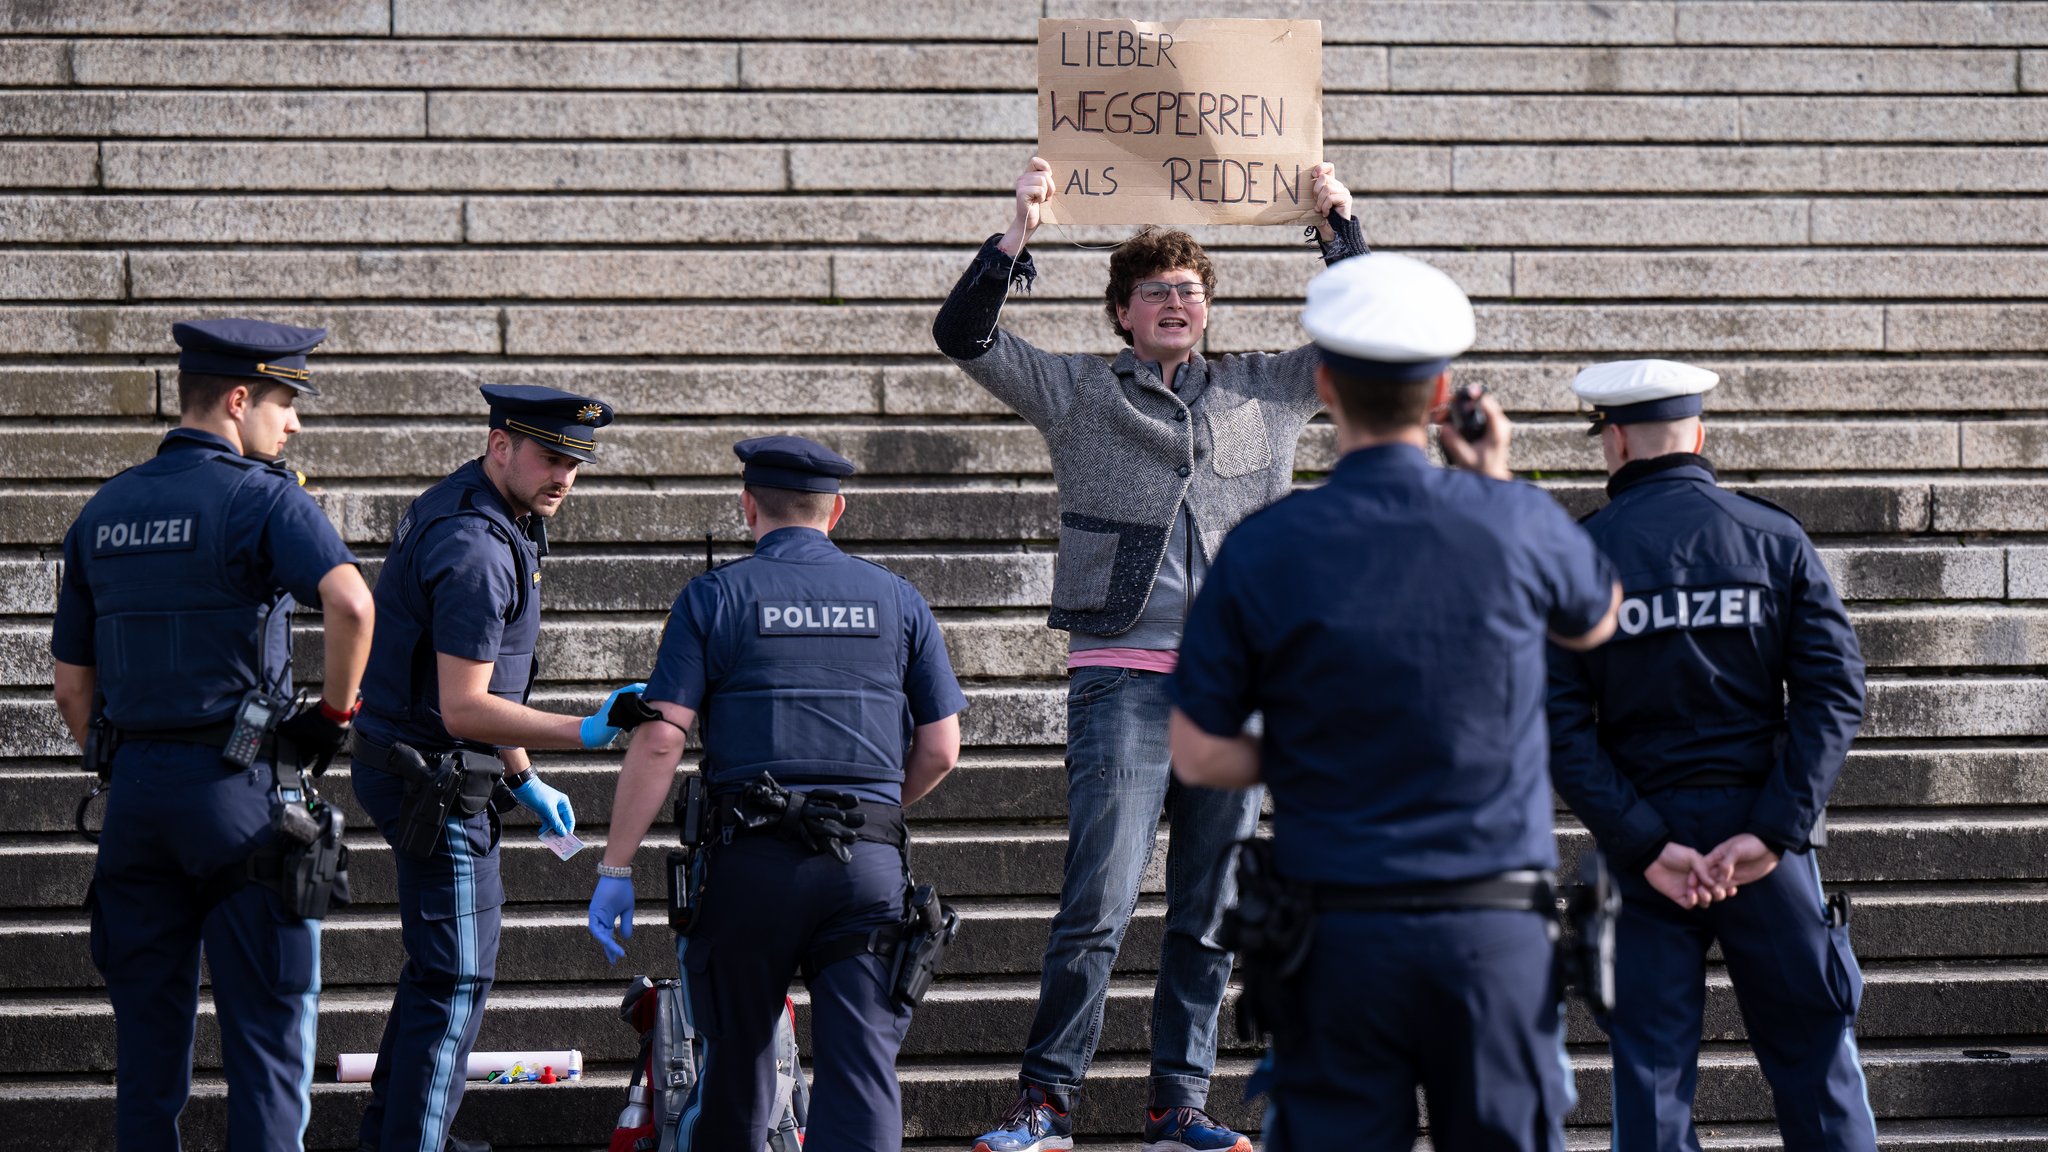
point(524, 778)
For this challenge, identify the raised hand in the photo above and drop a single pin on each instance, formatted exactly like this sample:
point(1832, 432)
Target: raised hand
point(1034, 189)
point(1487, 455)
point(1331, 196)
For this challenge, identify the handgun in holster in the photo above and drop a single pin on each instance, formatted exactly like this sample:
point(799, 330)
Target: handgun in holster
point(683, 876)
point(311, 861)
point(928, 929)
point(1269, 928)
point(434, 792)
point(101, 741)
point(1588, 910)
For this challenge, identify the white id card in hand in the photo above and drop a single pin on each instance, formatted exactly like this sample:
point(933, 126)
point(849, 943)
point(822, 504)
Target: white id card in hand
point(563, 846)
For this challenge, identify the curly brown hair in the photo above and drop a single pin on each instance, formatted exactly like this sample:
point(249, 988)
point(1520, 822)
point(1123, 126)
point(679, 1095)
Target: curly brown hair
point(1150, 253)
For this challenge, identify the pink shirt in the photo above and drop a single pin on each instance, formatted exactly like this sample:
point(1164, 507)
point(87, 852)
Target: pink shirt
point(1137, 659)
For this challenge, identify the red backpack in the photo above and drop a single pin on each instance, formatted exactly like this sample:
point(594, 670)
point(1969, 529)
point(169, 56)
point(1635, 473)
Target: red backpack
point(666, 1069)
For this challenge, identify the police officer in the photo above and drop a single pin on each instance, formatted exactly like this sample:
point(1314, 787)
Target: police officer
point(444, 719)
point(180, 576)
point(1390, 626)
point(823, 675)
point(1700, 747)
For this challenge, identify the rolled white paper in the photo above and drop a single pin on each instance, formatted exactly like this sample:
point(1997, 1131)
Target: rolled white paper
point(358, 1067)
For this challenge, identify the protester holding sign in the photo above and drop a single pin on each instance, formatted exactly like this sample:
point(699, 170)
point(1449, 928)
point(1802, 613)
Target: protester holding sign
point(1157, 454)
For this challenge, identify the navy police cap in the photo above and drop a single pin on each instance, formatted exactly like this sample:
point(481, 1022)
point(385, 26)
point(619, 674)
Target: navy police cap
point(565, 422)
point(791, 462)
point(256, 349)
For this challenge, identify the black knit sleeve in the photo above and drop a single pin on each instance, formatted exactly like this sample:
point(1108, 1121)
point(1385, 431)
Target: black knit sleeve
point(966, 324)
point(1349, 241)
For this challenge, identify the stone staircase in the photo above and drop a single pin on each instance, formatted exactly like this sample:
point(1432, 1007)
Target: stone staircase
point(736, 218)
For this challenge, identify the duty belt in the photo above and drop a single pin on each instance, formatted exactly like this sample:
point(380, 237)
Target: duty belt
point(211, 735)
point(384, 758)
point(1524, 891)
point(884, 823)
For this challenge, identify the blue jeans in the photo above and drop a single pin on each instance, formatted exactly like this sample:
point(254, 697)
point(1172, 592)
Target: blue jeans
point(1118, 780)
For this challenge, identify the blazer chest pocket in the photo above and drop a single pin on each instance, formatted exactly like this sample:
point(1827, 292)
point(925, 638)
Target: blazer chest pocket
point(1080, 577)
point(1238, 443)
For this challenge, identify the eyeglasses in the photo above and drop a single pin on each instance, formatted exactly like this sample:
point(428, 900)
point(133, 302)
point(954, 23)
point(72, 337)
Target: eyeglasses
point(1156, 291)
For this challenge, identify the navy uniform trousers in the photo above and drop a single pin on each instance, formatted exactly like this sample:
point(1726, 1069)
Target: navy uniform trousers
point(1795, 979)
point(448, 909)
point(176, 818)
point(1461, 1003)
point(766, 902)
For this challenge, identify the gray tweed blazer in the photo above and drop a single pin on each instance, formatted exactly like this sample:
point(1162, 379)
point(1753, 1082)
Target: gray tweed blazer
point(1127, 451)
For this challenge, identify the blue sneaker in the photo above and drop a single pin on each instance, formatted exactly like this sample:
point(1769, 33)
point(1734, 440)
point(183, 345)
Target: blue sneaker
point(1031, 1125)
point(1190, 1130)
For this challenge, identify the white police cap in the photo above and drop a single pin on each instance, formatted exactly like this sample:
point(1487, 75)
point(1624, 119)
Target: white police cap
point(1642, 391)
point(1387, 317)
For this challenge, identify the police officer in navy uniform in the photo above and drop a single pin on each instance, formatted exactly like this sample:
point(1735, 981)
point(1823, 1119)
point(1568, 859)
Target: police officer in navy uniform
point(1700, 747)
point(826, 674)
point(180, 576)
point(449, 674)
point(1390, 626)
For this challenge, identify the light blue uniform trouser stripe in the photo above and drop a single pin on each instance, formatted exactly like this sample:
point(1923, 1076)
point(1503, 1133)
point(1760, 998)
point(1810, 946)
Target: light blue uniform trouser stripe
point(686, 1121)
point(449, 1051)
point(309, 1033)
point(1849, 1033)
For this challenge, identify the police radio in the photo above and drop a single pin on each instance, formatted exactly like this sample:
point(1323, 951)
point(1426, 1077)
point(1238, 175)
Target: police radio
point(1468, 416)
point(257, 717)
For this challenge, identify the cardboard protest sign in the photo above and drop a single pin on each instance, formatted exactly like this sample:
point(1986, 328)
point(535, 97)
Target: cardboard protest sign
point(1180, 122)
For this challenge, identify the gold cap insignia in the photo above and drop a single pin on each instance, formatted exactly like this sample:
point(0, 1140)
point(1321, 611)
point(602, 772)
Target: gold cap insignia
point(590, 414)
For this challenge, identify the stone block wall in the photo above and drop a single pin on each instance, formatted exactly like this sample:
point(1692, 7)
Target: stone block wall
point(730, 218)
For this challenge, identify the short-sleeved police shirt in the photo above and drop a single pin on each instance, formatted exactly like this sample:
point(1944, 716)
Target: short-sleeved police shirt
point(472, 581)
point(1391, 626)
point(282, 540)
point(687, 667)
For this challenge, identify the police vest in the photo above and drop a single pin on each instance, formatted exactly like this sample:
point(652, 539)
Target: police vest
point(402, 682)
point(807, 663)
point(180, 635)
point(1691, 686)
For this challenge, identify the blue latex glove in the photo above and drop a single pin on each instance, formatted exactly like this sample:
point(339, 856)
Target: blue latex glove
point(555, 812)
point(598, 734)
point(612, 903)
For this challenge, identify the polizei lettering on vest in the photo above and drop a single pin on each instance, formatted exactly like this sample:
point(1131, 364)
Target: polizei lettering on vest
point(819, 618)
point(1675, 608)
point(167, 534)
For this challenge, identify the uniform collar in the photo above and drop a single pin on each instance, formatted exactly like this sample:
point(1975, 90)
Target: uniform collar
point(532, 527)
point(794, 543)
point(181, 438)
point(1677, 466)
point(1380, 460)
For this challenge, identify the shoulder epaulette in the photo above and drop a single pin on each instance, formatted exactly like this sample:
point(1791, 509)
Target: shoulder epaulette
point(1768, 504)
